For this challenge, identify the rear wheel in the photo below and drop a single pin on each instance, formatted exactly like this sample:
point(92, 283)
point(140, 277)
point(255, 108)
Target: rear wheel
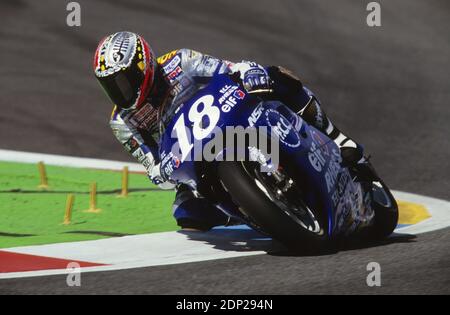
point(386, 212)
point(383, 202)
point(274, 203)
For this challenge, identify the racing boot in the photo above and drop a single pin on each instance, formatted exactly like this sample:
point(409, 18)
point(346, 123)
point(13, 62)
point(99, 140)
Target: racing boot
point(351, 151)
point(196, 214)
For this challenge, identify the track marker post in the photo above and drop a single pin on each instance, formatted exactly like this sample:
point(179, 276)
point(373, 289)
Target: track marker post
point(43, 176)
point(125, 182)
point(93, 200)
point(69, 207)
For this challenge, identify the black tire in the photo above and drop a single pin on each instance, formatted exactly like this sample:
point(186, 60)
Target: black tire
point(386, 212)
point(267, 215)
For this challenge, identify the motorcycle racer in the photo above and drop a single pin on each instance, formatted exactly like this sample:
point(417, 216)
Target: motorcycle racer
point(141, 86)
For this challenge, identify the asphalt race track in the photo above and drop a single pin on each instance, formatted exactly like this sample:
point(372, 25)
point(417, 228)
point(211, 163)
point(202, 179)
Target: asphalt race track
point(388, 87)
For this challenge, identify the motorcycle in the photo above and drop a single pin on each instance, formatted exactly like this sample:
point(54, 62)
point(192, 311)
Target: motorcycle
point(307, 201)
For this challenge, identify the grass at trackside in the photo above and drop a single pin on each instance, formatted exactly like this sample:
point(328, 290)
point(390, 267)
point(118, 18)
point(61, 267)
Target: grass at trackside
point(28, 211)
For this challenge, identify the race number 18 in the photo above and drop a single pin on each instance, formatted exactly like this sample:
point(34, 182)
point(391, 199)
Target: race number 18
point(196, 117)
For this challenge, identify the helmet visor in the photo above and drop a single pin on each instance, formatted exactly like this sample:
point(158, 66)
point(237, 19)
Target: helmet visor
point(123, 87)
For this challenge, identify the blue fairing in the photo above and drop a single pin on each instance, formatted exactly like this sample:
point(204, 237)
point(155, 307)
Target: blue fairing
point(225, 103)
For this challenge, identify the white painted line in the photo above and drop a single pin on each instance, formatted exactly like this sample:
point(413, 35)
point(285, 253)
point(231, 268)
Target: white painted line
point(150, 250)
point(69, 161)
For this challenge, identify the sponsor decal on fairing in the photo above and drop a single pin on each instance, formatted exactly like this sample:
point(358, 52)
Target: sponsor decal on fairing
point(282, 128)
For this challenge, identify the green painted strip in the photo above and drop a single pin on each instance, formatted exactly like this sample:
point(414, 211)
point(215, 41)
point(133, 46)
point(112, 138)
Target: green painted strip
point(25, 210)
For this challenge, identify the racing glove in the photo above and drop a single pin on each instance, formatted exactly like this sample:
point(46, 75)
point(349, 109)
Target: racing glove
point(254, 77)
point(159, 178)
point(155, 175)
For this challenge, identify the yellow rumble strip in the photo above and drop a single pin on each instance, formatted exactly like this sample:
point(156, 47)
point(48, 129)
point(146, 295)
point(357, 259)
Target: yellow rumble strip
point(411, 213)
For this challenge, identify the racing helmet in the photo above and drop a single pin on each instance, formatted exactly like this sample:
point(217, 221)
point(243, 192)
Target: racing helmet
point(124, 65)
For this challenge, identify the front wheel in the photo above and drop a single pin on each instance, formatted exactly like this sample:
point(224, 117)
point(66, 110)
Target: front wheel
point(274, 203)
